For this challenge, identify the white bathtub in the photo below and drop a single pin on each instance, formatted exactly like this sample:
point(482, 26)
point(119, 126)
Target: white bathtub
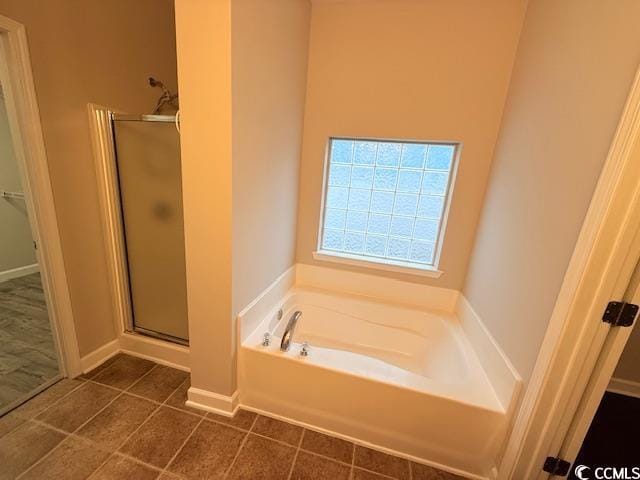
point(400, 378)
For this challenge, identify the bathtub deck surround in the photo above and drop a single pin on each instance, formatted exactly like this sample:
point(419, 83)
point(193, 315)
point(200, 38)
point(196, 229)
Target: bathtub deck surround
point(404, 367)
point(128, 419)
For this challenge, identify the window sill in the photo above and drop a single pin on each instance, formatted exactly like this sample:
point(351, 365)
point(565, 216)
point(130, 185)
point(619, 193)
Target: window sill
point(389, 265)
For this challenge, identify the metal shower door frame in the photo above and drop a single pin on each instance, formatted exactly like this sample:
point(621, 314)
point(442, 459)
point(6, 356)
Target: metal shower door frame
point(130, 325)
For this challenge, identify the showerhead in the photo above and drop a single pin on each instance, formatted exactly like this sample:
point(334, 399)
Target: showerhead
point(166, 98)
point(156, 83)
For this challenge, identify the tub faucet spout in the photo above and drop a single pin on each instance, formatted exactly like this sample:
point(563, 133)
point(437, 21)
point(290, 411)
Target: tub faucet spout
point(285, 344)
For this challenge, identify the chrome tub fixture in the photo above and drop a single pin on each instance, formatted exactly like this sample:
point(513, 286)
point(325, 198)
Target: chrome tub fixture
point(285, 345)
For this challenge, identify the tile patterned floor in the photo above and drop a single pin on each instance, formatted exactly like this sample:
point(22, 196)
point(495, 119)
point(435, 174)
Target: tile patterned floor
point(127, 420)
point(27, 353)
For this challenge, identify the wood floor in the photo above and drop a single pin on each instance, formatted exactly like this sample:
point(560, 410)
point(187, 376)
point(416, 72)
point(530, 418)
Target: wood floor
point(128, 420)
point(27, 353)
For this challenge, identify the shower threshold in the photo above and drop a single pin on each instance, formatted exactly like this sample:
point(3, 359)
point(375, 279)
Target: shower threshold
point(159, 336)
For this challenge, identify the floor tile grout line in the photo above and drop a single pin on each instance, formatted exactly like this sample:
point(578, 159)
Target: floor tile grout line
point(295, 457)
point(40, 412)
point(68, 434)
point(201, 419)
point(126, 457)
point(121, 444)
point(74, 434)
point(128, 386)
point(353, 461)
point(325, 457)
point(139, 379)
point(24, 420)
point(243, 430)
point(267, 437)
point(244, 441)
point(253, 432)
point(158, 406)
point(46, 455)
point(95, 444)
point(353, 467)
point(99, 446)
point(112, 359)
point(108, 367)
point(177, 452)
point(163, 403)
point(383, 475)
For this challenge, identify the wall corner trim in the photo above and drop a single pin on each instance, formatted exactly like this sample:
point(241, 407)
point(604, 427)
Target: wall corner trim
point(505, 379)
point(213, 402)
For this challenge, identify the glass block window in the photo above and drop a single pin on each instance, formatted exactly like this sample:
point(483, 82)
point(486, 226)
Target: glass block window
point(385, 201)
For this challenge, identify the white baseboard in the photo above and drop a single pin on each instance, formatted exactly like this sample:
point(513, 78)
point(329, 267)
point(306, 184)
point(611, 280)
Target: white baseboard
point(383, 288)
point(19, 272)
point(164, 353)
point(503, 376)
point(213, 402)
point(159, 351)
point(624, 387)
point(99, 356)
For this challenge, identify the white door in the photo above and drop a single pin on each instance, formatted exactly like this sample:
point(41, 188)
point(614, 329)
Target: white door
point(614, 344)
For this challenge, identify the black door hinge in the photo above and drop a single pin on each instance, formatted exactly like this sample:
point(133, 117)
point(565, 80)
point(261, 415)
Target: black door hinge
point(556, 466)
point(620, 314)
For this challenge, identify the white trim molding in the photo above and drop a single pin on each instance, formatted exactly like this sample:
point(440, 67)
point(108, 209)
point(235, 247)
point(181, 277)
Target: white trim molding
point(19, 272)
point(159, 351)
point(624, 387)
point(99, 356)
point(213, 402)
point(26, 131)
point(109, 199)
point(386, 265)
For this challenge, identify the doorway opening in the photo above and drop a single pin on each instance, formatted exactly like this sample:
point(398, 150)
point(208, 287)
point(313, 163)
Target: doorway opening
point(37, 335)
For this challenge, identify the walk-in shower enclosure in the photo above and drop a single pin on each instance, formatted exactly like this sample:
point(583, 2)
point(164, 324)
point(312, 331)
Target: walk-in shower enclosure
point(147, 153)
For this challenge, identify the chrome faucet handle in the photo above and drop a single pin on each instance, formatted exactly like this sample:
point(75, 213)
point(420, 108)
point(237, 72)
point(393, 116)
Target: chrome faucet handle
point(304, 351)
point(266, 339)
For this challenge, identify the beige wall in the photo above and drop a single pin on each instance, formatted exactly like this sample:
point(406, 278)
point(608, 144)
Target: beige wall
point(574, 67)
point(269, 64)
point(247, 57)
point(409, 69)
point(16, 242)
point(203, 30)
point(90, 51)
point(629, 365)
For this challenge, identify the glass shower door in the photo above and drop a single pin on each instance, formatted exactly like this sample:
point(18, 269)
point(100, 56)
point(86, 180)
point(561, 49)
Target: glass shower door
point(150, 185)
